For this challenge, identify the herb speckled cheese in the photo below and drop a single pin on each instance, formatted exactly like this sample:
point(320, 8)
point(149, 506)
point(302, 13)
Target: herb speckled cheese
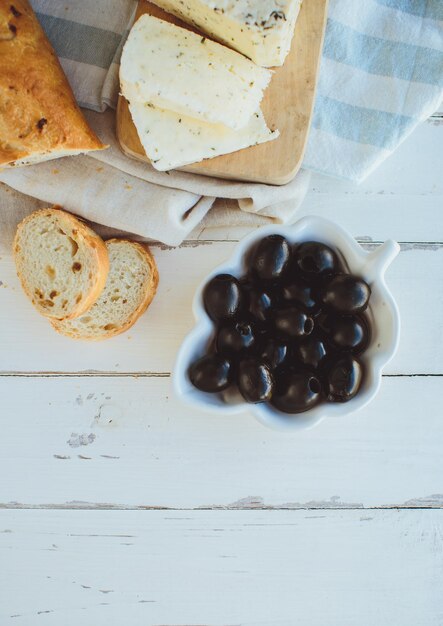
point(260, 29)
point(180, 71)
point(172, 140)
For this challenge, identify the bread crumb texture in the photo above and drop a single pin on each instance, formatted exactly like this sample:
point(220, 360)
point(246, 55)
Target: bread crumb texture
point(130, 287)
point(61, 263)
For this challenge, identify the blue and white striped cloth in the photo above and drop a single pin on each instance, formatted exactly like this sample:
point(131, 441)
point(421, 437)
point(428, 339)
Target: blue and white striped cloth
point(381, 75)
point(381, 72)
point(88, 38)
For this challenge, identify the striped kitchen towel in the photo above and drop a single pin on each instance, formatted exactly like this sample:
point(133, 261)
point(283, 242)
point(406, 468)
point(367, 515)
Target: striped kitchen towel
point(88, 38)
point(381, 75)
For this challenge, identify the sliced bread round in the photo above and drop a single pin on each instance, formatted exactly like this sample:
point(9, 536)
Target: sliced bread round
point(61, 263)
point(130, 288)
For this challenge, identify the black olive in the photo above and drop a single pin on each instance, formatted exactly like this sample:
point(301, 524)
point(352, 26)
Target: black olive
point(255, 380)
point(311, 351)
point(296, 391)
point(289, 330)
point(315, 259)
point(343, 379)
point(235, 337)
point(274, 352)
point(346, 294)
point(349, 332)
point(222, 297)
point(270, 258)
point(299, 292)
point(293, 322)
point(323, 324)
point(259, 303)
point(211, 373)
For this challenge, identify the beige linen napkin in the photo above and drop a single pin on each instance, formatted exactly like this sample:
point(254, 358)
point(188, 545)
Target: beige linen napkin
point(111, 189)
point(15, 206)
point(108, 187)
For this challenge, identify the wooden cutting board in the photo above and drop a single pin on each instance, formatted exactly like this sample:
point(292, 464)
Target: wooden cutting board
point(287, 105)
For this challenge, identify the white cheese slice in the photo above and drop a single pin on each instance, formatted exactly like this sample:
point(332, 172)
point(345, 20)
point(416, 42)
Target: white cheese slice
point(260, 29)
point(172, 140)
point(180, 71)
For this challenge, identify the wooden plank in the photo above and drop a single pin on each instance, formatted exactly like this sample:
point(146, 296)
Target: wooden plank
point(128, 442)
point(287, 106)
point(30, 344)
point(221, 568)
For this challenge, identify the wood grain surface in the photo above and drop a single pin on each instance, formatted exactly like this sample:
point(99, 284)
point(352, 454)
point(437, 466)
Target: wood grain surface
point(287, 106)
point(126, 441)
point(152, 344)
point(339, 525)
point(225, 568)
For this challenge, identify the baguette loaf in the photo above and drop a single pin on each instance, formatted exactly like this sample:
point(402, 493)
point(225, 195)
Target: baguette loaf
point(130, 288)
point(39, 118)
point(61, 263)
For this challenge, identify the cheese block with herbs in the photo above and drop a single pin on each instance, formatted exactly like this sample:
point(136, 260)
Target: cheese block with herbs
point(178, 70)
point(260, 29)
point(172, 140)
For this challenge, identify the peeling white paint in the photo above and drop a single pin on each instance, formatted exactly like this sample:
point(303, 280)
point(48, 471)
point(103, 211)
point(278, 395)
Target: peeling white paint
point(76, 440)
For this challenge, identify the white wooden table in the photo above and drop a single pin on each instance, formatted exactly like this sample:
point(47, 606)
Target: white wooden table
point(119, 506)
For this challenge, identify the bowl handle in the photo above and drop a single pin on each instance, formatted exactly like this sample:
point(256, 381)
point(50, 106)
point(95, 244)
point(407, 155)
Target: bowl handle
point(380, 259)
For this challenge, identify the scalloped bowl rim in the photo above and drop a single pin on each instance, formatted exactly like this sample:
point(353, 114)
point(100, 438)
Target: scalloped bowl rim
point(370, 265)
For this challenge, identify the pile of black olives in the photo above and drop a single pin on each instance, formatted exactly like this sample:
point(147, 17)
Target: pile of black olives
point(288, 332)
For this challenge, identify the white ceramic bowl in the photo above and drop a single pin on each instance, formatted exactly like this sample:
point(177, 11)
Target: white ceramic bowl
point(383, 313)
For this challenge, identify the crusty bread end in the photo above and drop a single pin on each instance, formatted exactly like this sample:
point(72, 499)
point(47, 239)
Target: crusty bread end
point(39, 117)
